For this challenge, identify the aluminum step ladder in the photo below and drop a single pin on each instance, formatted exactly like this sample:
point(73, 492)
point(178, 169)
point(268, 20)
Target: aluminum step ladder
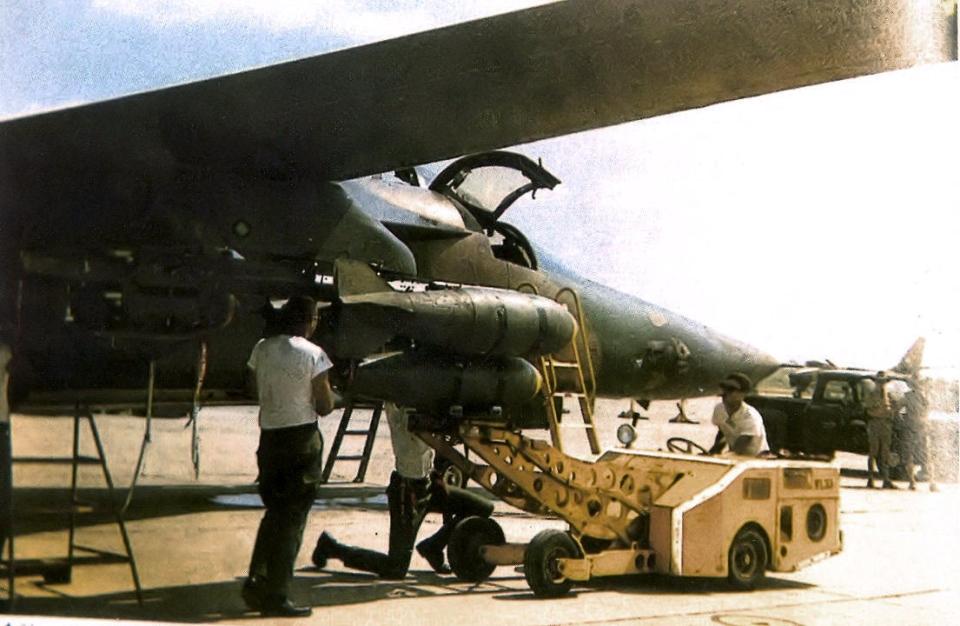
point(344, 430)
point(60, 570)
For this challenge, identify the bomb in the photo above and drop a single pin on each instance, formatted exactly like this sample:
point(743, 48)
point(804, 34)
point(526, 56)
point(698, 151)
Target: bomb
point(429, 383)
point(469, 321)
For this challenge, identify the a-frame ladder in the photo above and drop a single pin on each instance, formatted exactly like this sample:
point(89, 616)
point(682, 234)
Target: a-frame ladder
point(60, 570)
point(344, 430)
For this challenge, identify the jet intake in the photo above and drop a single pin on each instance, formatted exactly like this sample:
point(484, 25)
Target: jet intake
point(469, 321)
point(427, 383)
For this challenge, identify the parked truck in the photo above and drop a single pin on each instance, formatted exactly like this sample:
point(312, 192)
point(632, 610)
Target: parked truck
point(820, 410)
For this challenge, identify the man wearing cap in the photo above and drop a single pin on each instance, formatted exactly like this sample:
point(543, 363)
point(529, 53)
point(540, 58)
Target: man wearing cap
point(739, 425)
point(292, 386)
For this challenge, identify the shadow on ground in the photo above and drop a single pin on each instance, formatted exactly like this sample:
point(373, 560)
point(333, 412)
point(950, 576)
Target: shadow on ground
point(47, 509)
point(221, 600)
point(659, 585)
point(42, 509)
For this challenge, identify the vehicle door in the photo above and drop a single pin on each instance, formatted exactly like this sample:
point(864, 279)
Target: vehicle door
point(829, 416)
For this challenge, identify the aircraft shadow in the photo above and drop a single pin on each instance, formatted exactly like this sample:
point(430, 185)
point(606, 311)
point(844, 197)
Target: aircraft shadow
point(46, 509)
point(221, 600)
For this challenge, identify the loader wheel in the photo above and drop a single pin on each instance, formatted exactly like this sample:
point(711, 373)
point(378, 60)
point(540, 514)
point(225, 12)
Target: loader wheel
point(463, 551)
point(540, 565)
point(747, 559)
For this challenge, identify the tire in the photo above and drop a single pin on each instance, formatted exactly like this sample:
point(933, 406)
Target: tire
point(747, 559)
point(540, 563)
point(463, 551)
point(816, 522)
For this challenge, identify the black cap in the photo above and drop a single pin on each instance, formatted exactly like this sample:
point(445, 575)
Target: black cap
point(298, 309)
point(737, 382)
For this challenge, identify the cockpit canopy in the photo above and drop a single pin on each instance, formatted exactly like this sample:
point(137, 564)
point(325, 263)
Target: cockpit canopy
point(486, 185)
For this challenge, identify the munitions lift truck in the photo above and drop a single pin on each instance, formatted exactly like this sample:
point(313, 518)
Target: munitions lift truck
point(634, 512)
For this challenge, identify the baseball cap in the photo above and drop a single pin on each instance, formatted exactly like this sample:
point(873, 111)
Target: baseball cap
point(737, 382)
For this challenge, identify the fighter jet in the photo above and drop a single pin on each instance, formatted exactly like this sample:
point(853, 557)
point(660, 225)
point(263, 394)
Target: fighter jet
point(157, 227)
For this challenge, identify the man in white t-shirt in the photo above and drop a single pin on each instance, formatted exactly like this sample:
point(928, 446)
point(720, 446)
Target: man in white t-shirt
point(739, 425)
point(292, 386)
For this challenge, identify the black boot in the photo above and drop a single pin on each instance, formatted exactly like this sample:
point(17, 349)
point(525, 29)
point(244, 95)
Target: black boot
point(327, 547)
point(278, 606)
point(434, 556)
point(252, 592)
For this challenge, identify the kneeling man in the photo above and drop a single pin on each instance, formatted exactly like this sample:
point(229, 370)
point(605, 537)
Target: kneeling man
point(413, 492)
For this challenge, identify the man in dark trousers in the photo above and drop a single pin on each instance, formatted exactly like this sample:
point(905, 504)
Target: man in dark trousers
point(292, 386)
point(412, 493)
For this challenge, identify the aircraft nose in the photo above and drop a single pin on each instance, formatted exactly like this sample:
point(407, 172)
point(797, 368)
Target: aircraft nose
point(725, 355)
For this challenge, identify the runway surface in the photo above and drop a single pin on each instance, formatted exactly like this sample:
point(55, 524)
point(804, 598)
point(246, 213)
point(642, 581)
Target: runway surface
point(192, 539)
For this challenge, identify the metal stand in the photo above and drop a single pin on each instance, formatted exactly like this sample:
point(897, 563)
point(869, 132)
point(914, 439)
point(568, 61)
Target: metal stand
point(60, 570)
point(370, 433)
point(6, 508)
point(681, 417)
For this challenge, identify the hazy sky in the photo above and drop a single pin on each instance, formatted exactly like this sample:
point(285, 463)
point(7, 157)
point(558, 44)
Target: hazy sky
point(818, 223)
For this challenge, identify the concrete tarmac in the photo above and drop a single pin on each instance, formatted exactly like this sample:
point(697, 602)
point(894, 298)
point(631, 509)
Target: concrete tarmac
point(193, 537)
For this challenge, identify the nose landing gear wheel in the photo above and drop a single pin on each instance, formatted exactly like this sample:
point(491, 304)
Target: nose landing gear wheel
point(463, 551)
point(540, 566)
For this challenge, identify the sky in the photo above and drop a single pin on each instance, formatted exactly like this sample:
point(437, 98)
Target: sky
point(815, 223)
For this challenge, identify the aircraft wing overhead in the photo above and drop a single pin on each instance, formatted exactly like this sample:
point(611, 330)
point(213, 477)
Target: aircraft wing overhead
point(499, 81)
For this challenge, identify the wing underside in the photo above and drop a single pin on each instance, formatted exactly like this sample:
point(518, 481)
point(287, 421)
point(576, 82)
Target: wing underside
point(494, 82)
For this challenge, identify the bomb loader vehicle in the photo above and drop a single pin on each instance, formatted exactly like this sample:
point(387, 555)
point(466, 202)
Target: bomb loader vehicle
point(642, 512)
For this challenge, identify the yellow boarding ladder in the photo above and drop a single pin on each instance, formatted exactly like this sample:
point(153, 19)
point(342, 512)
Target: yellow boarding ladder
point(582, 385)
